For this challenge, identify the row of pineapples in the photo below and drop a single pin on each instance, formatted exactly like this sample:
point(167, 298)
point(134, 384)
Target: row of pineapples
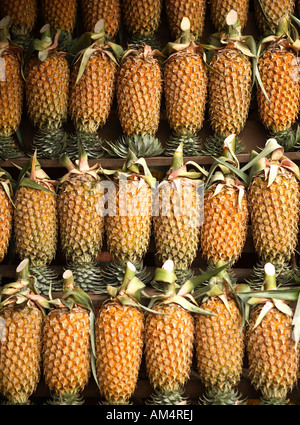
point(182, 72)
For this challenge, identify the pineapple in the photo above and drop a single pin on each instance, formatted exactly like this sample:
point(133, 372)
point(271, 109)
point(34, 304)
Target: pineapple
point(278, 91)
point(185, 90)
point(273, 199)
point(271, 341)
point(21, 320)
point(220, 8)
point(47, 89)
point(129, 215)
point(35, 222)
point(81, 219)
point(178, 215)
point(229, 84)
point(7, 211)
point(66, 344)
point(268, 13)
point(176, 10)
point(119, 338)
point(11, 92)
point(219, 340)
point(225, 225)
point(109, 11)
point(92, 83)
point(139, 91)
point(23, 16)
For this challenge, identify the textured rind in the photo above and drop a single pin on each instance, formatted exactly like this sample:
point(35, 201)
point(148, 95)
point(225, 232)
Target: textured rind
point(66, 350)
point(128, 228)
point(185, 90)
point(47, 90)
point(119, 332)
point(274, 214)
point(6, 222)
point(109, 10)
point(220, 8)
point(81, 221)
point(194, 10)
point(35, 225)
point(20, 353)
point(279, 72)
point(219, 345)
point(59, 14)
point(139, 91)
point(177, 224)
point(141, 17)
point(274, 11)
point(273, 359)
point(11, 95)
point(229, 93)
point(169, 341)
point(23, 14)
point(225, 225)
point(91, 97)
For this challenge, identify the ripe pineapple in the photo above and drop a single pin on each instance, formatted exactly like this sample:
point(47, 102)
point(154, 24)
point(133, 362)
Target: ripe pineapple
point(109, 11)
point(225, 225)
point(92, 84)
point(6, 211)
point(220, 8)
point(129, 218)
point(11, 92)
point(185, 90)
point(219, 340)
point(194, 10)
point(21, 319)
point(142, 19)
point(268, 13)
point(119, 334)
point(272, 351)
point(229, 84)
point(274, 200)
point(47, 88)
point(178, 215)
point(81, 219)
point(35, 222)
point(139, 91)
point(66, 344)
point(278, 94)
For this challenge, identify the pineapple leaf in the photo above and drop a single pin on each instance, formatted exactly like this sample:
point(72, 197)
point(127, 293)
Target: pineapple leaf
point(26, 182)
point(282, 306)
point(264, 311)
point(84, 61)
point(288, 294)
point(187, 305)
point(270, 146)
point(243, 176)
point(296, 323)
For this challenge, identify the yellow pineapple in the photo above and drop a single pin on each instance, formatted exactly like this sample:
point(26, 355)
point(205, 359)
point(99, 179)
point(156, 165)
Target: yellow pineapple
point(268, 13)
point(220, 8)
point(108, 10)
point(67, 344)
point(21, 324)
point(7, 211)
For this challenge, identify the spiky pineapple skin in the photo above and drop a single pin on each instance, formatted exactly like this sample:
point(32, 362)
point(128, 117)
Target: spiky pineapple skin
point(279, 72)
point(185, 90)
point(59, 14)
point(81, 221)
point(6, 222)
point(141, 17)
point(20, 353)
point(194, 10)
point(219, 345)
point(139, 91)
point(95, 87)
point(274, 215)
point(225, 225)
point(128, 228)
point(272, 356)
point(230, 88)
point(274, 11)
point(66, 350)
point(219, 10)
point(119, 335)
point(108, 10)
point(169, 339)
point(35, 225)
point(47, 90)
point(11, 94)
point(177, 230)
point(23, 14)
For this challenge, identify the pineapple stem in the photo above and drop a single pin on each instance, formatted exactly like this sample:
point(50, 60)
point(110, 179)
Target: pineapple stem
point(129, 274)
point(68, 281)
point(23, 270)
point(270, 277)
point(186, 30)
point(283, 26)
point(177, 161)
point(83, 158)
